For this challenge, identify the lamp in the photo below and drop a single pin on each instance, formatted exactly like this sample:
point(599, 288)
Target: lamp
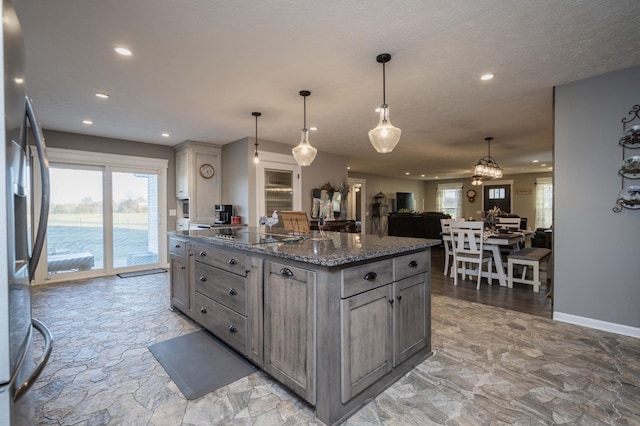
point(304, 153)
point(476, 180)
point(487, 166)
point(385, 136)
point(256, 159)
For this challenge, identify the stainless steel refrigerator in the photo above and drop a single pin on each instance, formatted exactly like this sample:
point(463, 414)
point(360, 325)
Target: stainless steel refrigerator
point(19, 365)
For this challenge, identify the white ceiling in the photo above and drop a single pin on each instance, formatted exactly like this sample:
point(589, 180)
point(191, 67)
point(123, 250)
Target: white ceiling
point(200, 67)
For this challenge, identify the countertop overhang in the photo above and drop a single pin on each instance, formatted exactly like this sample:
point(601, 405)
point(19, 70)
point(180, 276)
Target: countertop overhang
point(331, 249)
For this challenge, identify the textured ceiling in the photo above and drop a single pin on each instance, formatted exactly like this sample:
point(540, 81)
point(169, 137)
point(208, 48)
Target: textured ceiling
point(200, 67)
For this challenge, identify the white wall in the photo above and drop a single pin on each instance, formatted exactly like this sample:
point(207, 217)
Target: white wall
point(596, 251)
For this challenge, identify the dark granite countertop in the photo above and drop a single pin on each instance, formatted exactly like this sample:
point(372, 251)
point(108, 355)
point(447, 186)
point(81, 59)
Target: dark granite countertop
point(333, 249)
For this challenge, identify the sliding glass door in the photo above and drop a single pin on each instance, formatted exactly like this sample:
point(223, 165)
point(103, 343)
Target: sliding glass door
point(104, 218)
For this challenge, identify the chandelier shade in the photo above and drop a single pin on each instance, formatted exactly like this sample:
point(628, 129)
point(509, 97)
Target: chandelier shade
point(256, 159)
point(385, 136)
point(304, 153)
point(476, 180)
point(487, 166)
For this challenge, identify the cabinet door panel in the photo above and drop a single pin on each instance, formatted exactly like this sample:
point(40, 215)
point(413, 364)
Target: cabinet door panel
point(410, 317)
point(180, 290)
point(290, 337)
point(366, 340)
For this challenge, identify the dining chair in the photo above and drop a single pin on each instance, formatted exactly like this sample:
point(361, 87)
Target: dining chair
point(511, 223)
point(467, 239)
point(448, 252)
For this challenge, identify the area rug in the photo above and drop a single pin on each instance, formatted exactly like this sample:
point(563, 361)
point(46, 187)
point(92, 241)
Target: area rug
point(199, 363)
point(140, 273)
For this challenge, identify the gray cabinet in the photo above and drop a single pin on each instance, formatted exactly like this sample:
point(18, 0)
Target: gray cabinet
point(181, 286)
point(412, 305)
point(366, 339)
point(290, 327)
point(220, 280)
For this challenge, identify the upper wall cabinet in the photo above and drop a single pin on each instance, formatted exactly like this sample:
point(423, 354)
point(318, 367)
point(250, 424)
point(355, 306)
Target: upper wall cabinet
point(198, 183)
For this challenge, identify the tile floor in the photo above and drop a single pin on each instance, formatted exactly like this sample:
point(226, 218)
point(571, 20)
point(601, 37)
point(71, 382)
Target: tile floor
point(490, 366)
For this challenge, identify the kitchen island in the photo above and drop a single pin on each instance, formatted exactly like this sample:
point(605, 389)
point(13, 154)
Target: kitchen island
point(336, 318)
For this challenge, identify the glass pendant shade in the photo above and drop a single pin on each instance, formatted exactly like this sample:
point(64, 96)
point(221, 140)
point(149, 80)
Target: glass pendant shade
point(256, 159)
point(476, 180)
point(385, 136)
point(304, 153)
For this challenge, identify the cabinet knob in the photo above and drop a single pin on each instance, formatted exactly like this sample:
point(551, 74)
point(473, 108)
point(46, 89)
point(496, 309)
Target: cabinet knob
point(203, 310)
point(413, 264)
point(232, 261)
point(286, 271)
point(370, 276)
point(203, 253)
point(177, 246)
point(232, 291)
point(203, 278)
point(232, 328)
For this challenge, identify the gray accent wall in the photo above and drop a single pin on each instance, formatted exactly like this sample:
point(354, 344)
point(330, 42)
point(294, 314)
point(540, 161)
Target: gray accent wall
point(596, 251)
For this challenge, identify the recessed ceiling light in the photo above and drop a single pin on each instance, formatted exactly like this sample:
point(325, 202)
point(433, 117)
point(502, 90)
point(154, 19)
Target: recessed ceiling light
point(122, 51)
point(88, 122)
point(19, 80)
point(486, 77)
point(550, 168)
point(535, 161)
point(348, 168)
point(313, 128)
point(437, 177)
point(407, 173)
point(542, 165)
point(421, 175)
point(101, 95)
point(165, 135)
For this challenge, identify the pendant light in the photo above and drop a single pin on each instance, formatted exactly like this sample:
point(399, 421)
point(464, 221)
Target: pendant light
point(256, 159)
point(385, 136)
point(487, 166)
point(476, 180)
point(304, 153)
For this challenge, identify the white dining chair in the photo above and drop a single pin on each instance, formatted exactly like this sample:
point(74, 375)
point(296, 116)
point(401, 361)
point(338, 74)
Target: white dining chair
point(511, 223)
point(467, 240)
point(448, 252)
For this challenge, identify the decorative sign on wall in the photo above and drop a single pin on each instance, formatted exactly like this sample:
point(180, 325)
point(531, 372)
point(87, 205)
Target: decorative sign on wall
point(629, 196)
point(524, 191)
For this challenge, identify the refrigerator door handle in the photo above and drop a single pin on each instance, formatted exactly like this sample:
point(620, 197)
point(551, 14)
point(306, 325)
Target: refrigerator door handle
point(38, 245)
point(48, 345)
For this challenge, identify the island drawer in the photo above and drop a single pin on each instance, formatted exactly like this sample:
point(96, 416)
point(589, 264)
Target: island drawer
point(226, 324)
point(223, 259)
point(366, 277)
point(221, 286)
point(411, 264)
point(178, 247)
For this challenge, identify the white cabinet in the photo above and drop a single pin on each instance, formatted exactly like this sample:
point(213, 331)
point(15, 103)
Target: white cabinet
point(199, 191)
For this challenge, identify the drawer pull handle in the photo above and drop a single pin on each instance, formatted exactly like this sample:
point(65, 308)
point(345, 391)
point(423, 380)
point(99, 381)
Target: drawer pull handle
point(232, 261)
point(391, 301)
point(413, 264)
point(286, 271)
point(232, 328)
point(370, 276)
point(183, 267)
point(399, 297)
point(203, 278)
point(232, 291)
point(203, 310)
point(177, 246)
point(203, 253)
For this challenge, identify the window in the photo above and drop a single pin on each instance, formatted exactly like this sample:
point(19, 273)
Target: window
point(544, 202)
point(449, 199)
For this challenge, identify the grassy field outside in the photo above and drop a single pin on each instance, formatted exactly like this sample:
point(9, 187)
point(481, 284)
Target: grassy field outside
point(83, 233)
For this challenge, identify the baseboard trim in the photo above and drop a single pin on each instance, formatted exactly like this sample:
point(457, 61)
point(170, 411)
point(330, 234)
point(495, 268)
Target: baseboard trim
point(597, 324)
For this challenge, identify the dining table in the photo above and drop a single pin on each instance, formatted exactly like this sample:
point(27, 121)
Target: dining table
point(494, 240)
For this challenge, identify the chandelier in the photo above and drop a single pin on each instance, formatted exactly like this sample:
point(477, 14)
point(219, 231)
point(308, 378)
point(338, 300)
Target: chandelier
point(486, 167)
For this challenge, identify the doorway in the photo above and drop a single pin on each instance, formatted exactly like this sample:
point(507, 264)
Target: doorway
point(105, 215)
point(497, 194)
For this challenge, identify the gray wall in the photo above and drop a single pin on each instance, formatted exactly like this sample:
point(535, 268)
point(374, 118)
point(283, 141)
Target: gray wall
point(597, 264)
point(89, 143)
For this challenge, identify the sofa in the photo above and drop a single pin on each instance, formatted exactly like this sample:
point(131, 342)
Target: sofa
point(417, 225)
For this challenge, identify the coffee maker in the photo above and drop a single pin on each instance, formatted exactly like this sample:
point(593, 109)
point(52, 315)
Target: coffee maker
point(223, 213)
